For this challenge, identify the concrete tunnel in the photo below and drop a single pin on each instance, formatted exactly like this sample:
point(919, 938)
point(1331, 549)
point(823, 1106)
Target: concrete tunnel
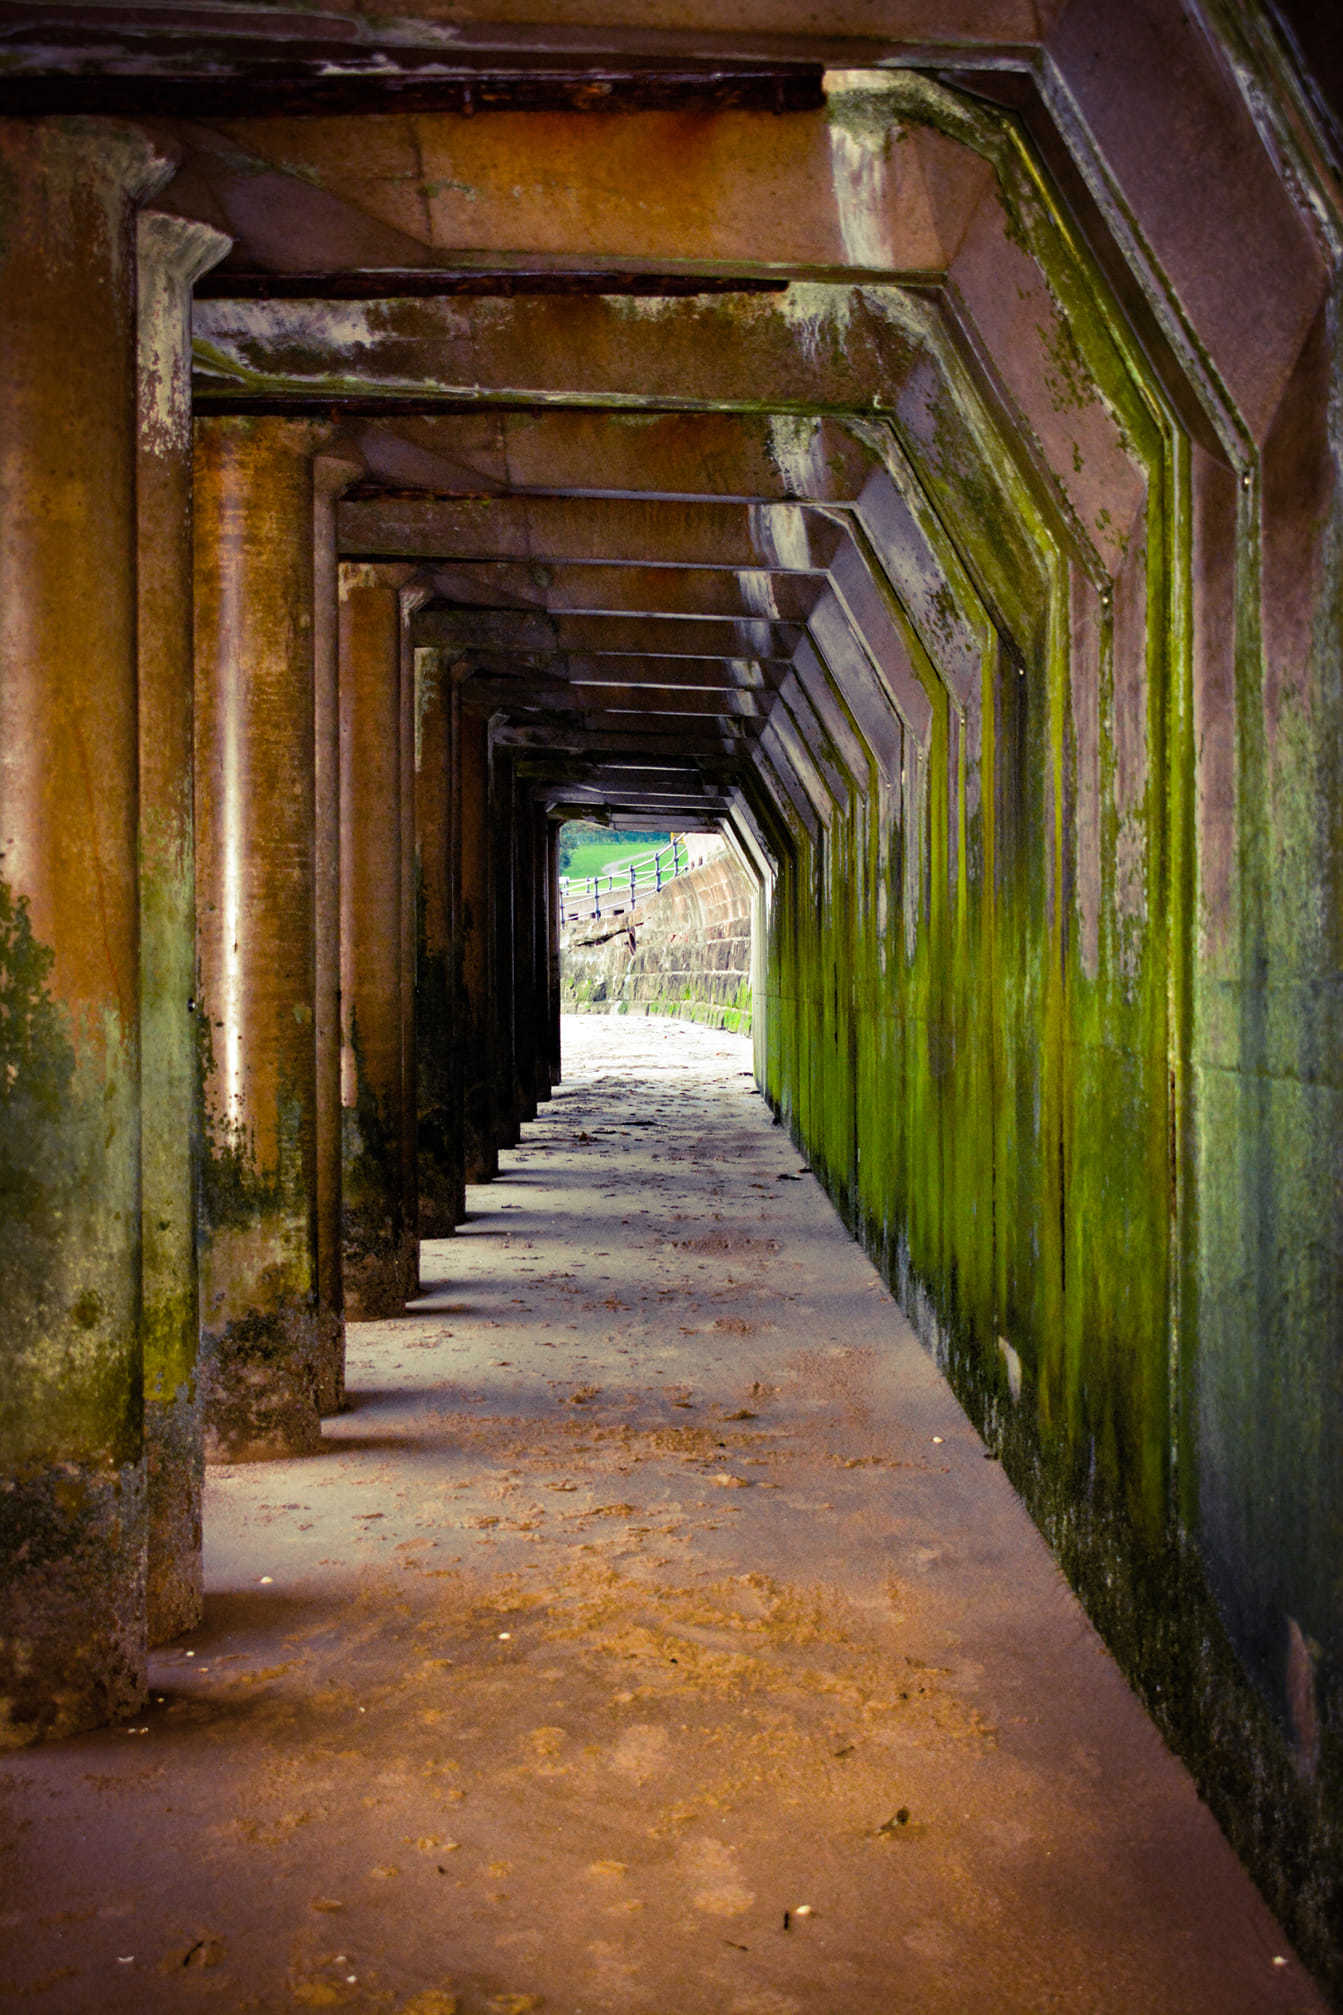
point(904, 440)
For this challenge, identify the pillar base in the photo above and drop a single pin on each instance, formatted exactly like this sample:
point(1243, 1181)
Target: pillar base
point(175, 1469)
point(381, 1277)
point(260, 1386)
point(72, 1600)
point(330, 1362)
point(442, 1189)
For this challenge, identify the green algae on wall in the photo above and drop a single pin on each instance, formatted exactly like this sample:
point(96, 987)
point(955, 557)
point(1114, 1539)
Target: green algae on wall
point(72, 1507)
point(981, 1029)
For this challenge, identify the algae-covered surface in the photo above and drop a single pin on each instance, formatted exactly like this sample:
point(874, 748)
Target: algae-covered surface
point(651, 1635)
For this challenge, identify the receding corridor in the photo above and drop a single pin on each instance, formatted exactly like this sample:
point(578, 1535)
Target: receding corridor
point(651, 1634)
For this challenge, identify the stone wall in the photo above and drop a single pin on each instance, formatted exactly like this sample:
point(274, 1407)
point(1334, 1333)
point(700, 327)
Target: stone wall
point(685, 951)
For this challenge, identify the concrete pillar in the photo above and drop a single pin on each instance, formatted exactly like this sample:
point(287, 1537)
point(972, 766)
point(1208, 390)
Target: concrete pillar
point(332, 473)
point(255, 866)
point(523, 1021)
point(547, 952)
point(534, 1036)
point(171, 254)
point(380, 1245)
point(503, 990)
point(442, 1192)
point(409, 600)
point(72, 1489)
point(554, 1057)
point(472, 767)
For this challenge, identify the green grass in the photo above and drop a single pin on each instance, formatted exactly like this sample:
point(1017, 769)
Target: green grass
point(595, 857)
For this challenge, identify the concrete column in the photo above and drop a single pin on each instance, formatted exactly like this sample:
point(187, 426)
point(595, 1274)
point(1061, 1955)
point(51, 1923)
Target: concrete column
point(255, 867)
point(442, 1193)
point(503, 989)
point(411, 596)
point(529, 925)
point(72, 1480)
point(332, 473)
point(472, 766)
point(553, 924)
point(537, 928)
point(380, 1246)
point(171, 254)
point(547, 952)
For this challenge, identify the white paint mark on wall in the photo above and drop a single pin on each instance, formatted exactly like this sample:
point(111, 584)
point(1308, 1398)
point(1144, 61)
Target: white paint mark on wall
point(797, 448)
point(757, 589)
point(819, 314)
point(862, 124)
point(781, 529)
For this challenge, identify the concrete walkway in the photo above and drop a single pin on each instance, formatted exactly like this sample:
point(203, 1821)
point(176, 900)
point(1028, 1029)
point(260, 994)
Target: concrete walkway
point(653, 1638)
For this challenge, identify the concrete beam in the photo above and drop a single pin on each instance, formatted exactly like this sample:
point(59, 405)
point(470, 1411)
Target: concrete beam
point(778, 538)
point(715, 738)
point(680, 594)
point(622, 668)
point(813, 349)
point(602, 635)
point(699, 456)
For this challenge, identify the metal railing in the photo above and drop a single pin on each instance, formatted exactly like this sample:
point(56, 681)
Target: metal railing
point(610, 895)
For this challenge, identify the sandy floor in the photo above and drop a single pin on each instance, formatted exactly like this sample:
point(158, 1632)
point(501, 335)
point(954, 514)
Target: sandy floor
point(652, 1636)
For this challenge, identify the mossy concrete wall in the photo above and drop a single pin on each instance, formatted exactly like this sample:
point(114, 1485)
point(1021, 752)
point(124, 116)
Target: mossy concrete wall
point(685, 951)
point(1053, 985)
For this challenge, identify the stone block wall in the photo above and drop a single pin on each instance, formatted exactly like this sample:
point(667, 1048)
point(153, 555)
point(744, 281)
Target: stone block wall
point(685, 951)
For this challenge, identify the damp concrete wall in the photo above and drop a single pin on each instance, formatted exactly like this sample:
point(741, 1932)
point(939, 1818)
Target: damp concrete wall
point(685, 951)
point(1052, 1002)
point(931, 477)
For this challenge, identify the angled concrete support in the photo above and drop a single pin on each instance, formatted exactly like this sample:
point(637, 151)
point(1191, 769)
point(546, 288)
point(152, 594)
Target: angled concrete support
point(72, 1503)
point(171, 254)
point(256, 834)
point(379, 1241)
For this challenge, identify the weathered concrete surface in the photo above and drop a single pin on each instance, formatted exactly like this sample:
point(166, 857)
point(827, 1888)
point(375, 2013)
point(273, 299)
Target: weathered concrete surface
point(686, 951)
point(379, 1249)
point(170, 254)
point(655, 1587)
point(438, 1018)
point(264, 1335)
point(331, 474)
point(72, 1506)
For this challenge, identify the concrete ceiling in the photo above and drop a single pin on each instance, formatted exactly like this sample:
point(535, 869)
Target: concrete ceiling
point(720, 383)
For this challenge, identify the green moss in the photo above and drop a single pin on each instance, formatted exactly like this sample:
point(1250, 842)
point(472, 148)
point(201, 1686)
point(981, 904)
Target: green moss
point(68, 1254)
point(37, 1066)
point(982, 1042)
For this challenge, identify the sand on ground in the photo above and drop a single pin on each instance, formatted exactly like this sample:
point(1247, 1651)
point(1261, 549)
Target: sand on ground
point(651, 1637)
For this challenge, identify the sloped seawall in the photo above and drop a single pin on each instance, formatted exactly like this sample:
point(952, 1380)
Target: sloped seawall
point(686, 951)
